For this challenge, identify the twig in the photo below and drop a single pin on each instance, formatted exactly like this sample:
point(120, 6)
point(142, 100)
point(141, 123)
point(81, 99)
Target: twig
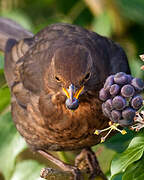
point(96, 6)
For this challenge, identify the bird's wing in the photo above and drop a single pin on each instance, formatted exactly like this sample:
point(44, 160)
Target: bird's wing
point(14, 53)
point(117, 58)
point(112, 55)
point(13, 45)
point(108, 58)
point(11, 30)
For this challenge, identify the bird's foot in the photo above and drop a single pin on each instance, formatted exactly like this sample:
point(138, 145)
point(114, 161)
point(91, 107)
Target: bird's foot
point(87, 160)
point(50, 173)
point(67, 169)
point(112, 126)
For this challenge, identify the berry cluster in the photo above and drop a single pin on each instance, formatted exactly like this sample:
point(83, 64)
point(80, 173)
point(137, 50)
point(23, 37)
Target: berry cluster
point(121, 98)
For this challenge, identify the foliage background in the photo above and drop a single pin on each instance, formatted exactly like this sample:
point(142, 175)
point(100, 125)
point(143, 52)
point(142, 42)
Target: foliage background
point(121, 20)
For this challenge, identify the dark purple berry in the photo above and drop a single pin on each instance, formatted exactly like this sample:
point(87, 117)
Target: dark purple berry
point(121, 78)
point(137, 102)
point(116, 115)
point(127, 90)
point(103, 94)
point(129, 78)
point(114, 90)
point(124, 122)
point(108, 104)
point(138, 84)
point(118, 102)
point(72, 104)
point(108, 83)
point(128, 113)
point(105, 111)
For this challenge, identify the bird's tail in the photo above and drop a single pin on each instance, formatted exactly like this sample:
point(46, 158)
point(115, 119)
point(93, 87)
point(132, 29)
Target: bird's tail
point(9, 29)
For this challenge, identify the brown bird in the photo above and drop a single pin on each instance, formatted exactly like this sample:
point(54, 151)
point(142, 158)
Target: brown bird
point(55, 77)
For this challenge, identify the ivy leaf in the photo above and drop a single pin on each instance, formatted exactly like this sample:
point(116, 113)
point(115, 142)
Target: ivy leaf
point(27, 170)
point(11, 144)
point(133, 153)
point(119, 142)
point(135, 171)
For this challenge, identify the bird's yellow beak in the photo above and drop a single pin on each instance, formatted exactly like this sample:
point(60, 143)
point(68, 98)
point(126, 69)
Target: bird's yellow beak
point(71, 93)
point(78, 92)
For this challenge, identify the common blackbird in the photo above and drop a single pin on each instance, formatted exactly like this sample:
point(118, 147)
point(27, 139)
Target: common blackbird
point(54, 78)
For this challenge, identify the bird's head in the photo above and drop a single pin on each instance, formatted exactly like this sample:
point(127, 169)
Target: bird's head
point(71, 71)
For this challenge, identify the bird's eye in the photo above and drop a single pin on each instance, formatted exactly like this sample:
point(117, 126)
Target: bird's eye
point(87, 76)
point(57, 78)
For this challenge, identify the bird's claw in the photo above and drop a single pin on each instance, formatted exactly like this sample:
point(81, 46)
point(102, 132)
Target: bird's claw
point(112, 126)
point(77, 174)
point(50, 173)
point(45, 172)
point(88, 158)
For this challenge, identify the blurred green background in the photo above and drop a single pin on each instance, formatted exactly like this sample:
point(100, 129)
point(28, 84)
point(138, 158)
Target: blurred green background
point(121, 20)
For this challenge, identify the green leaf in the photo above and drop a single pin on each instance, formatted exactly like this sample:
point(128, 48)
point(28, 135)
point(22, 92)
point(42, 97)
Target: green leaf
point(118, 177)
point(11, 144)
point(135, 171)
point(4, 98)
point(119, 142)
point(27, 170)
point(103, 25)
point(133, 9)
point(133, 153)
